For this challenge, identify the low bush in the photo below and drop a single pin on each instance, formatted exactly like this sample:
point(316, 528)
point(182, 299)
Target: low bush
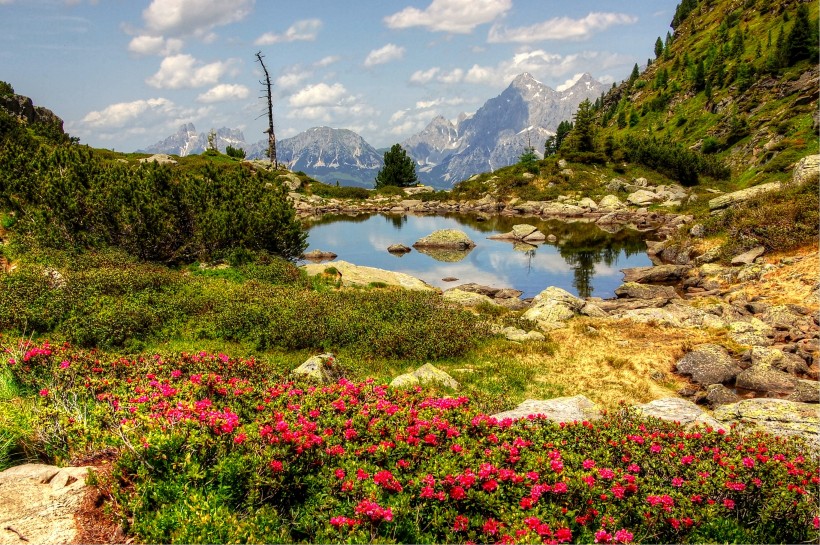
point(216, 449)
point(339, 192)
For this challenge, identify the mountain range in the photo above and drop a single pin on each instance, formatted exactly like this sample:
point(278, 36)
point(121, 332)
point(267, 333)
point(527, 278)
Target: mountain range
point(445, 152)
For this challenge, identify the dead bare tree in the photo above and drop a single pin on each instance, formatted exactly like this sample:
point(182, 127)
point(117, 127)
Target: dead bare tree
point(269, 131)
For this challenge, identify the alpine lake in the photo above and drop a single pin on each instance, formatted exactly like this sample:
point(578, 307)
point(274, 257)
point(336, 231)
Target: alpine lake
point(584, 259)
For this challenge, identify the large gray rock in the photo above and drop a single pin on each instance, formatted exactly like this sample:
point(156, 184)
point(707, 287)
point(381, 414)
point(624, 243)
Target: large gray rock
point(322, 368)
point(39, 502)
point(426, 374)
point(655, 275)
point(161, 158)
point(561, 409)
point(356, 275)
point(643, 197)
point(708, 364)
point(466, 298)
point(777, 416)
point(743, 195)
point(806, 391)
point(762, 378)
point(611, 203)
point(718, 394)
point(676, 409)
point(752, 332)
point(645, 291)
point(445, 238)
point(807, 170)
point(551, 308)
point(747, 258)
point(519, 335)
point(654, 316)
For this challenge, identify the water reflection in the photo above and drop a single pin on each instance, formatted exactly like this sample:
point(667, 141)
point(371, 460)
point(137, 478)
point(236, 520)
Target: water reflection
point(583, 259)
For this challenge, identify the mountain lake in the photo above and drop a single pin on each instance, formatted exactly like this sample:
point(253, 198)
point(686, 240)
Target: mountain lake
point(585, 260)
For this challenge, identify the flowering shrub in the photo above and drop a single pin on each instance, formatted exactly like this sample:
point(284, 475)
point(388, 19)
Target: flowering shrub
point(214, 449)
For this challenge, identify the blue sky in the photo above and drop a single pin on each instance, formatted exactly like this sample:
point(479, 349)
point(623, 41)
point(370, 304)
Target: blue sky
point(124, 74)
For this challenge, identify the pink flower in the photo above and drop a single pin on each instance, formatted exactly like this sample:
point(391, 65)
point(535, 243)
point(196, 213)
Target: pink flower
point(602, 536)
point(491, 527)
point(44, 392)
point(748, 462)
point(563, 535)
point(64, 364)
point(276, 466)
point(240, 438)
point(457, 493)
point(588, 464)
point(340, 473)
point(490, 485)
point(460, 523)
point(677, 482)
point(557, 466)
point(606, 473)
point(729, 504)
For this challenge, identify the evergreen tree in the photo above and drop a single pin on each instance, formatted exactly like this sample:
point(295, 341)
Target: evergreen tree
point(699, 79)
point(582, 137)
point(667, 47)
point(635, 74)
point(800, 42)
point(564, 127)
point(622, 119)
point(658, 48)
point(529, 160)
point(549, 147)
point(399, 169)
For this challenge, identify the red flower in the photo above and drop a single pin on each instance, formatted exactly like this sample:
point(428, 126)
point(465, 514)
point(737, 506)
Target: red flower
point(729, 504)
point(44, 392)
point(460, 523)
point(491, 527)
point(490, 485)
point(276, 466)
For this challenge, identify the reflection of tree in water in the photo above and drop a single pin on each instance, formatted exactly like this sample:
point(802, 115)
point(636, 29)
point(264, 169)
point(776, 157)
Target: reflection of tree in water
point(584, 249)
point(397, 220)
point(312, 221)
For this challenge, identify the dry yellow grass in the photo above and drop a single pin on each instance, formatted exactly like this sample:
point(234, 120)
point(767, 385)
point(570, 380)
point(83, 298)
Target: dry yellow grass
point(788, 284)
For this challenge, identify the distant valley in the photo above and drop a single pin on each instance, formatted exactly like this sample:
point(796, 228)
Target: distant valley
point(446, 152)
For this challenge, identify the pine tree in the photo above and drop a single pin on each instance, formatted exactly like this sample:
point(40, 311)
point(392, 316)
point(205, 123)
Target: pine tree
point(635, 74)
point(582, 137)
point(799, 43)
point(658, 48)
point(564, 127)
point(399, 169)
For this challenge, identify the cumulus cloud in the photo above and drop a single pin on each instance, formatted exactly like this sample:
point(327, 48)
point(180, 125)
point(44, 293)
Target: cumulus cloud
point(304, 31)
point(389, 52)
point(193, 17)
point(421, 77)
point(154, 45)
point(427, 104)
point(119, 114)
point(319, 94)
point(327, 61)
point(184, 71)
point(291, 79)
point(570, 82)
point(454, 16)
point(224, 92)
point(559, 28)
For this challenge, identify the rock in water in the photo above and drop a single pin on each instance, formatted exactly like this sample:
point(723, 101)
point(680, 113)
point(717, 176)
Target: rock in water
point(446, 238)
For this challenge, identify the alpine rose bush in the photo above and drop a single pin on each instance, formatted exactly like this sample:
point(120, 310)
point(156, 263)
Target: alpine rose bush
point(213, 448)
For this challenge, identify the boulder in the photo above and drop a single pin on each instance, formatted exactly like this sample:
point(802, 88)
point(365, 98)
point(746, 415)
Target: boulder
point(321, 368)
point(445, 238)
point(642, 197)
point(291, 181)
point(561, 409)
point(751, 333)
point(552, 307)
point(655, 316)
point(426, 374)
point(161, 158)
point(708, 364)
point(588, 203)
point(611, 203)
point(445, 255)
point(466, 298)
point(718, 394)
point(743, 195)
point(519, 335)
point(398, 249)
point(747, 258)
point(656, 275)
point(676, 409)
point(646, 291)
point(318, 255)
point(356, 275)
point(418, 189)
point(762, 378)
point(779, 417)
point(38, 503)
point(807, 170)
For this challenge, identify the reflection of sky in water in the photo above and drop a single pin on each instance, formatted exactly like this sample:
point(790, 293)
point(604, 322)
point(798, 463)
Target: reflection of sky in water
point(587, 259)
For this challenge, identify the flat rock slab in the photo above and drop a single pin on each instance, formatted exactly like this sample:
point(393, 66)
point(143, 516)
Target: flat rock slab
point(561, 409)
point(39, 501)
point(655, 275)
point(743, 195)
point(776, 416)
point(747, 258)
point(357, 275)
point(676, 409)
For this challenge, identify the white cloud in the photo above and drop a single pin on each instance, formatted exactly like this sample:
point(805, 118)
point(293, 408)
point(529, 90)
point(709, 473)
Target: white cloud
point(193, 17)
point(118, 115)
point(455, 16)
point(327, 61)
point(559, 28)
point(570, 82)
point(291, 79)
point(389, 52)
point(304, 31)
point(224, 92)
point(320, 94)
point(181, 71)
point(424, 76)
point(427, 104)
point(154, 45)
point(454, 76)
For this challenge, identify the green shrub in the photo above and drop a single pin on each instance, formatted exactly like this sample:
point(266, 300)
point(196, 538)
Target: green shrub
point(339, 192)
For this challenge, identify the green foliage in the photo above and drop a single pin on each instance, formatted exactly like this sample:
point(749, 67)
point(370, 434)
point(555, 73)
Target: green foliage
point(682, 12)
point(338, 192)
point(561, 132)
point(673, 159)
point(399, 170)
point(634, 74)
point(658, 47)
point(66, 196)
point(801, 42)
point(529, 160)
point(6, 89)
point(236, 153)
point(582, 136)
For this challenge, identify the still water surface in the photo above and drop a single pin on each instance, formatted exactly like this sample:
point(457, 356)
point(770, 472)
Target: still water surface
point(585, 260)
